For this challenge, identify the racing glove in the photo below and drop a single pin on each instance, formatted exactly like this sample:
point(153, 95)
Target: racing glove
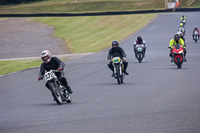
point(39, 78)
point(60, 69)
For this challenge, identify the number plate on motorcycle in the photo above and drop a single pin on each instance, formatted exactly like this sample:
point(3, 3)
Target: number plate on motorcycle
point(49, 75)
point(139, 49)
point(116, 60)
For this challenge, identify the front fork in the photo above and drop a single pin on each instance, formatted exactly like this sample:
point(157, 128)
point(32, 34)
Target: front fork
point(121, 69)
point(182, 57)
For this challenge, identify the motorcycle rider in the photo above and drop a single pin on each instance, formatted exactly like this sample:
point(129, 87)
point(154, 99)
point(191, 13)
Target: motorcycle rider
point(197, 30)
point(174, 41)
point(53, 63)
point(182, 29)
point(139, 41)
point(181, 36)
point(117, 51)
point(183, 18)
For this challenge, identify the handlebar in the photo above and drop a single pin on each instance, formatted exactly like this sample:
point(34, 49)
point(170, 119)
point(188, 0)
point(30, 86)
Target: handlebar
point(55, 71)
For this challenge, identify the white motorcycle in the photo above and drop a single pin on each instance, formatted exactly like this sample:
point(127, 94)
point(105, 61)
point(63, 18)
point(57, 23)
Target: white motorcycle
point(139, 49)
point(195, 36)
point(58, 90)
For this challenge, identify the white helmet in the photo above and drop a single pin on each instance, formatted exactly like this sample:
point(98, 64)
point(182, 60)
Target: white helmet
point(179, 33)
point(46, 56)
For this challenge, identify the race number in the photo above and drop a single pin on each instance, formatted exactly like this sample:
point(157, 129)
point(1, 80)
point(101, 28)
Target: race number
point(49, 75)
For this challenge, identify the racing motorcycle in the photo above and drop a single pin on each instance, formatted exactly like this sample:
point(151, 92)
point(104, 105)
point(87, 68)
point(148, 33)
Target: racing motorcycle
point(182, 29)
point(139, 52)
point(118, 69)
point(183, 22)
point(58, 90)
point(195, 36)
point(178, 55)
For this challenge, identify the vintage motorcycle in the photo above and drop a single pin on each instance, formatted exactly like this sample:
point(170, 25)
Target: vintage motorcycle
point(58, 90)
point(178, 55)
point(118, 69)
point(139, 52)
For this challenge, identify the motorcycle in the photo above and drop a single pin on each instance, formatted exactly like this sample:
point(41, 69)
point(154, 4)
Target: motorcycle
point(178, 55)
point(183, 22)
point(139, 52)
point(118, 69)
point(195, 36)
point(181, 29)
point(58, 90)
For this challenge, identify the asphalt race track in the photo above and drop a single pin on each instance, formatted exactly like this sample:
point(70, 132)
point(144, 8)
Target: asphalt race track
point(156, 97)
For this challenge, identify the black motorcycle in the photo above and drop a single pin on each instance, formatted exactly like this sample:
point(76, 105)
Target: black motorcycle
point(139, 52)
point(118, 69)
point(58, 90)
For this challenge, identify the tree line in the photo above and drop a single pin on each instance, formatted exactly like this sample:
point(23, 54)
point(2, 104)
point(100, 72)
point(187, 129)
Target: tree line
point(8, 2)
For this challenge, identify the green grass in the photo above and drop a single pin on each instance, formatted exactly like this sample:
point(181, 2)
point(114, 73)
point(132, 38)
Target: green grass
point(95, 33)
point(82, 6)
point(69, 6)
point(17, 65)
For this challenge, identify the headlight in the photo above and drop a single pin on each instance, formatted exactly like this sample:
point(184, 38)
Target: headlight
point(180, 52)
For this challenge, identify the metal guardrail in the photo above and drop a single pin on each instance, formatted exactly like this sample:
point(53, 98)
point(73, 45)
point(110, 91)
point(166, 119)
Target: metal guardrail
point(99, 13)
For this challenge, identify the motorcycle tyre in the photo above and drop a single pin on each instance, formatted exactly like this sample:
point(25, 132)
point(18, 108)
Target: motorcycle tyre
point(178, 63)
point(118, 75)
point(140, 57)
point(56, 97)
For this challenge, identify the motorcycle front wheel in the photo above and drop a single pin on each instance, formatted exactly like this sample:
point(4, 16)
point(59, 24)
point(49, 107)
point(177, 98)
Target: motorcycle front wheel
point(118, 75)
point(140, 57)
point(55, 93)
point(178, 63)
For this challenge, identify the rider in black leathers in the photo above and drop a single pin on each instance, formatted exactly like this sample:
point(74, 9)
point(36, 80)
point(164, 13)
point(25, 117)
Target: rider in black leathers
point(53, 63)
point(138, 42)
point(117, 51)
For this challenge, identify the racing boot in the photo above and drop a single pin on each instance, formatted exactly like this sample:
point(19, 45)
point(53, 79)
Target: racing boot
point(125, 72)
point(112, 74)
point(69, 90)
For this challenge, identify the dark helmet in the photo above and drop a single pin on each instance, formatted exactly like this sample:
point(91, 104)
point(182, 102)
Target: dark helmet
point(176, 37)
point(139, 38)
point(195, 27)
point(115, 44)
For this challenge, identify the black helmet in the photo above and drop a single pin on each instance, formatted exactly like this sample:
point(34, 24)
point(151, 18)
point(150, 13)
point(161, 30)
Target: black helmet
point(176, 37)
point(195, 28)
point(139, 38)
point(115, 44)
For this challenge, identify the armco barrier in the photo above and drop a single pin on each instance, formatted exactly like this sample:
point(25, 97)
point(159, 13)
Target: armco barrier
point(99, 13)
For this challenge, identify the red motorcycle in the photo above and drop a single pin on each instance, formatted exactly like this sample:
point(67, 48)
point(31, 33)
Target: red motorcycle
point(178, 55)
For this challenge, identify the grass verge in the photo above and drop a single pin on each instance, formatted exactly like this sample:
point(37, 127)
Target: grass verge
point(95, 33)
point(80, 6)
point(17, 65)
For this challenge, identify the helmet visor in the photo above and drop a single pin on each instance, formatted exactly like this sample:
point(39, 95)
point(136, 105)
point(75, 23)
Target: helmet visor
point(114, 45)
point(45, 58)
